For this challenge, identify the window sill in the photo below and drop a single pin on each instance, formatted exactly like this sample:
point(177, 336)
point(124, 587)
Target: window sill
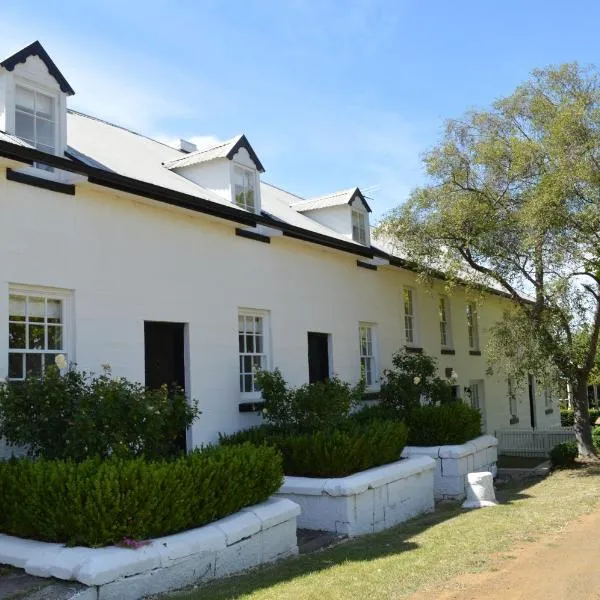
point(368, 396)
point(475, 352)
point(514, 420)
point(40, 180)
point(246, 407)
point(413, 350)
point(447, 351)
point(549, 411)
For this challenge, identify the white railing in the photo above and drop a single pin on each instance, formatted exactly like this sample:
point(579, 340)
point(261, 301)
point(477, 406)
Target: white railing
point(532, 442)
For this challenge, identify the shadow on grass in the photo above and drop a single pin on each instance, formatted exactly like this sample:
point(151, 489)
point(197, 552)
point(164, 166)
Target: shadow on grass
point(365, 548)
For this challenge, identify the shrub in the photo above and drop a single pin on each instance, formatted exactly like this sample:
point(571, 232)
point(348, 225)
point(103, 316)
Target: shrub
point(78, 415)
point(334, 452)
point(596, 438)
point(412, 378)
point(453, 423)
point(563, 456)
point(96, 502)
point(567, 417)
point(312, 406)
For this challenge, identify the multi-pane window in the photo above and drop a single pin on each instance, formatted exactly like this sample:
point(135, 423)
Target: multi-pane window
point(36, 333)
point(472, 326)
point(359, 227)
point(409, 316)
point(35, 120)
point(368, 366)
point(445, 333)
point(547, 397)
point(252, 335)
point(512, 398)
point(245, 189)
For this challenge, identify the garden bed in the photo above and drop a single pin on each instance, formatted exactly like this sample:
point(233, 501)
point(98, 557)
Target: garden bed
point(255, 535)
point(453, 463)
point(369, 501)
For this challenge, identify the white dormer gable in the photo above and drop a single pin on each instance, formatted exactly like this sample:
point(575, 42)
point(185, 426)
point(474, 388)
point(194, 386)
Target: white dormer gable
point(33, 99)
point(346, 212)
point(230, 169)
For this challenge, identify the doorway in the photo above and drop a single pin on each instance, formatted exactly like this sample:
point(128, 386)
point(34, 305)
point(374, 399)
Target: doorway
point(164, 349)
point(318, 357)
point(532, 400)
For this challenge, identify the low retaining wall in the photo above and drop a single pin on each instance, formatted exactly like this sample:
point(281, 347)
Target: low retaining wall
point(366, 502)
point(258, 534)
point(453, 463)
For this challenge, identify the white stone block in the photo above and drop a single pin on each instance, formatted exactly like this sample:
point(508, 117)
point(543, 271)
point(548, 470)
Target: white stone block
point(274, 511)
point(305, 486)
point(239, 526)
point(239, 556)
point(454, 467)
point(480, 490)
point(207, 539)
point(16, 551)
point(279, 541)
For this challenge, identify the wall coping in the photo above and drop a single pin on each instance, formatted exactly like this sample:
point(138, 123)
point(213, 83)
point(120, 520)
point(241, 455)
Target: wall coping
point(358, 482)
point(452, 451)
point(99, 566)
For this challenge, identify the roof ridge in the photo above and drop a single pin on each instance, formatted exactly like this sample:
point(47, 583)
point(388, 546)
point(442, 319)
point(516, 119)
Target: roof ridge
point(301, 198)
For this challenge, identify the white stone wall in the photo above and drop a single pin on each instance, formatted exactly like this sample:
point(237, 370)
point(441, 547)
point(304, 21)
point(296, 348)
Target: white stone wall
point(256, 535)
point(453, 463)
point(366, 502)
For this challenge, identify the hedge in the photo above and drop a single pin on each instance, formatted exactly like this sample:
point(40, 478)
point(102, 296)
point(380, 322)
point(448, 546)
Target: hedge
point(453, 423)
point(567, 417)
point(563, 456)
point(334, 452)
point(98, 502)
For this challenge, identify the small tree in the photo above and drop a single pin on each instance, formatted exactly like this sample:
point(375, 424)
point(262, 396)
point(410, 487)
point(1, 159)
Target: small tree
point(514, 203)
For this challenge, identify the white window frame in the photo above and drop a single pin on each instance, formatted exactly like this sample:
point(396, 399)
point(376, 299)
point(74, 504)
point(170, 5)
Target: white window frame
point(370, 356)
point(445, 323)
point(512, 398)
point(67, 322)
point(472, 326)
point(412, 339)
point(360, 226)
point(244, 313)
point(246, 174)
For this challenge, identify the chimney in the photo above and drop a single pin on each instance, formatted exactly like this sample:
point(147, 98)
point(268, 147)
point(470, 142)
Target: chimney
point(185, 146)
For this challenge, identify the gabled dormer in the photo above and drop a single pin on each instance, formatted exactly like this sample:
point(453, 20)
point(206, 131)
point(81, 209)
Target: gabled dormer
point(33, 99)
point(346, 212)
point(230, 169)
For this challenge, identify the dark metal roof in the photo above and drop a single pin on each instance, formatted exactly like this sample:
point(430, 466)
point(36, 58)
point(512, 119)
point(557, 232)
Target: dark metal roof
point(36, 49)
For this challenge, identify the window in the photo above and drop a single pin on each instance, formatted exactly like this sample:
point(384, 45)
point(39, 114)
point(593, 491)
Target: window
point(359, 227)
point(36, 332)
point(253, 345)
point(35, 120)
point(472, 326)
point(409, 316)
point(368, 366)
point(245, 188)
point(547, 397)
point(512, 398)
point(445, 332)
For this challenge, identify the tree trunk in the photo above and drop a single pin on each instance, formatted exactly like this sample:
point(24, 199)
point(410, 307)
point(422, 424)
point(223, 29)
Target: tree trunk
point(583, 429)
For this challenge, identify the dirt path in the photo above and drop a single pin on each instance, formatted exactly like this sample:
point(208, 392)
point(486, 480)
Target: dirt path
point(565, 566)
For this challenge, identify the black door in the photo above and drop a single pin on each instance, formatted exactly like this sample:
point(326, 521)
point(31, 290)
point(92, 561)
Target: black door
point(532, 400)
point(165, 358)
point(318, 356)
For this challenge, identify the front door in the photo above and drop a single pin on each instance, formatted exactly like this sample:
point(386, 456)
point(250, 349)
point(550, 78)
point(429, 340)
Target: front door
point(164, 348)
point(318, 357)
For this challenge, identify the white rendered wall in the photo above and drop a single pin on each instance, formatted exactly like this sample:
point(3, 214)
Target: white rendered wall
point(338, 218)
point(128, 261)
point(213, 175)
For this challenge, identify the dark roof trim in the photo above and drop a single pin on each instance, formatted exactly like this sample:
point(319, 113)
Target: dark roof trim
point(252, 235)
point(40, 182)
point(358, 195)
point(36, 49)
point(244, 143)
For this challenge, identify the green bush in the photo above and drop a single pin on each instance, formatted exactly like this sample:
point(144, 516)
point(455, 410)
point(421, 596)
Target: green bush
point(596, 437)
point(412, 378)
point(312, 406)
point(453, 423)
point(98, 502)
point(567, 417)
point(334, 452)
point(563, 456)
point(79, 415)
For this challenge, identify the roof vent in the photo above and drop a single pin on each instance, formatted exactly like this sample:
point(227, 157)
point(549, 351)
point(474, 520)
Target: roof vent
point(185, 146)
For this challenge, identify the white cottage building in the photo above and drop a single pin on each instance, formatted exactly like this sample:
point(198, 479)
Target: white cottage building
point(173, 264)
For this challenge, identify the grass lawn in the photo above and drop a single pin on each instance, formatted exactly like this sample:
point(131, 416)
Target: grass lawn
point(423, 552)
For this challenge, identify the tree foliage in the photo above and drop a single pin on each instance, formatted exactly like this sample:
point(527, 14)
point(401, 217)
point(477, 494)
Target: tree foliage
point(514, 203)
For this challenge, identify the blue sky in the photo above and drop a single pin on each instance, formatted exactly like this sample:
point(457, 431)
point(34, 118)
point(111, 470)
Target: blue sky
point(331, 94)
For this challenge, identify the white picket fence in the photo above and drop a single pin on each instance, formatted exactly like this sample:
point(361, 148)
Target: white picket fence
point(532, 442)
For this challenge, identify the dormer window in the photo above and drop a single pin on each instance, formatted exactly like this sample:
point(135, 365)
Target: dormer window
point(359, 227)
point(245, 188)
point(35, 120)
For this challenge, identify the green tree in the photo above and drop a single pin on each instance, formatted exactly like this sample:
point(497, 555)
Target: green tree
point(514, 203)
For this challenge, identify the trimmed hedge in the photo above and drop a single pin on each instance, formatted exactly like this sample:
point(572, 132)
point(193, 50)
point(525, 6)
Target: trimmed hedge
point(334, 452)
point(99, 502)
point(567, 417)
point(453, 423)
